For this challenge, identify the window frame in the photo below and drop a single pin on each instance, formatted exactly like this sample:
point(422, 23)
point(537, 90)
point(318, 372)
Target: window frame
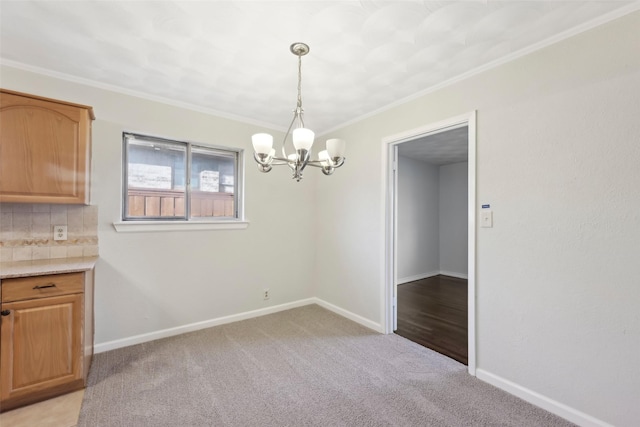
point(149, 223)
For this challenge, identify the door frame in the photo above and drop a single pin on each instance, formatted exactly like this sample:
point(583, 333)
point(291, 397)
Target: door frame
point(389, 149)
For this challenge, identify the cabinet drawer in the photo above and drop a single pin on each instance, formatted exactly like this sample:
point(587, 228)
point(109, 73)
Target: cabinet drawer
point(24, 288)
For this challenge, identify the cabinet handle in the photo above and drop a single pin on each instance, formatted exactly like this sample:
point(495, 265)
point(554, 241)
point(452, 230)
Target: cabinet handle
point(50, 285)
point(5, 312)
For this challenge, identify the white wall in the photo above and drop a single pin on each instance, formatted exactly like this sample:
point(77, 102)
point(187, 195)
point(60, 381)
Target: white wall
point(146, 282)
point(418, 220)
point(557, 158)
point(453, 197)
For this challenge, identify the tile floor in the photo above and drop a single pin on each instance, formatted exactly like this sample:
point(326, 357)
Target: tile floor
point(62, 411)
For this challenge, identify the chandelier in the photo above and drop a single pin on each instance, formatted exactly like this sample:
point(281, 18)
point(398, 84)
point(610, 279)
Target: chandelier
point(301, 137)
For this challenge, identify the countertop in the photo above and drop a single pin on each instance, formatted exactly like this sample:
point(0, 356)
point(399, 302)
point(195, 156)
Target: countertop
point(46, 266)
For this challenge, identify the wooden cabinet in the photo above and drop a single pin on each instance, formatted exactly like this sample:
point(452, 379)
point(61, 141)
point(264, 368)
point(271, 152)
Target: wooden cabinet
point(46, 341)
point(45, 150)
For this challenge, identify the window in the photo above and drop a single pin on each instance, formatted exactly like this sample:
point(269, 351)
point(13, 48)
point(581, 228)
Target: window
point(173, 180)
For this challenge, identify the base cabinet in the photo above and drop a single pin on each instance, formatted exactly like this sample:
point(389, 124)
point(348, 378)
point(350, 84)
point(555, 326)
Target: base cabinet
point(43, 335)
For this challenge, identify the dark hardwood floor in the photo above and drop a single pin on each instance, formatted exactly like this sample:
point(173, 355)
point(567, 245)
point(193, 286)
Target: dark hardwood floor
point(433, 312)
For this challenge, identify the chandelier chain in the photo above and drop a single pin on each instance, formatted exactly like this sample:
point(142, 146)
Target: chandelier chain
point(299, 105)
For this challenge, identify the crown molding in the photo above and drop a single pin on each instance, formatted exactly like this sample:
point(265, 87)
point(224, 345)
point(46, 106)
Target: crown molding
point(589, 25)
point(137, 94)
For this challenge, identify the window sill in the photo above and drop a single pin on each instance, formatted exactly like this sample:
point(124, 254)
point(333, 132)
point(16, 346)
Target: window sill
point(144, 226)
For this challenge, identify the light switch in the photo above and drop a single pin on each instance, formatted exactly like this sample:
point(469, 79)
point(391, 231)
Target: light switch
point(59, 232)
point(486, 218)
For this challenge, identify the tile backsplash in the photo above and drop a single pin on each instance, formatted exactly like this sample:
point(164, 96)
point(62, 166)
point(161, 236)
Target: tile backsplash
point(26, 231)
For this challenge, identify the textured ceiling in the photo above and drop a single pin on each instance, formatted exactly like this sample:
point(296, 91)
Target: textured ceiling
point(438, 149)
point(233, 56)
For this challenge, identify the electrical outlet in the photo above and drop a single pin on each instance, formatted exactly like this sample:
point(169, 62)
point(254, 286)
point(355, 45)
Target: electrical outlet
point(266, 295)
point(59, 232)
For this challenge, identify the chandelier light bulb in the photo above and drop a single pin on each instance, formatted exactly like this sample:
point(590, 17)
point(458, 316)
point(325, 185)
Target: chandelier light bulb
point(336, 147)
point(324, 158)
point(262, 143)
point(302, 138)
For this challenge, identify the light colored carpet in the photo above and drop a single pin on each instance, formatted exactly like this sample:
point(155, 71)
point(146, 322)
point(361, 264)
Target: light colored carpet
point(301, 367)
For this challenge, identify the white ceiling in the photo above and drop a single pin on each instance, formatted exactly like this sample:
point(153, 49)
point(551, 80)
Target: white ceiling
point(233, 57)
point(438, 149)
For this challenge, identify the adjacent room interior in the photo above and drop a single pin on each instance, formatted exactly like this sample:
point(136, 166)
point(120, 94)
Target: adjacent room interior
point(432, 241)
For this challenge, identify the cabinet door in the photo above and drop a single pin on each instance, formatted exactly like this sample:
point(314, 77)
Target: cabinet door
point(44, 151)
point(40, 347)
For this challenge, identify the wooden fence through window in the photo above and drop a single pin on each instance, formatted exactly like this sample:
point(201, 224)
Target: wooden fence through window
point(168, 203)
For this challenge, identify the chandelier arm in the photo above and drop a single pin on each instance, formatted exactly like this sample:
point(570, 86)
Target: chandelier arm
point(327, 170)
point(318, 163)
point(315, 163)
point(279, 162)
point(339, 162)
point(286, 135)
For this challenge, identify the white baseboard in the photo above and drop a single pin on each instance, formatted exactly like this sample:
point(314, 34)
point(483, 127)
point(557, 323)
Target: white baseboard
point(349, 315)
point(417, 277)
point(408, 279)
point(164, 333)
point(452, 274)
point(544, 402)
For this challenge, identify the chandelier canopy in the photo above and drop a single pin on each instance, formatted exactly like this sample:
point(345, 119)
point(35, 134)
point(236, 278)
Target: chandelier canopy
point(302, 138)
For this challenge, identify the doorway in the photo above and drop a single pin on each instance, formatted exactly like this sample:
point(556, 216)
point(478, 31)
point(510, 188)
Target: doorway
point(409, 144)
point(431, 253)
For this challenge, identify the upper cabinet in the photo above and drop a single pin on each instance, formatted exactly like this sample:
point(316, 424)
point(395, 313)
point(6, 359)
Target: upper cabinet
point(45, 150)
